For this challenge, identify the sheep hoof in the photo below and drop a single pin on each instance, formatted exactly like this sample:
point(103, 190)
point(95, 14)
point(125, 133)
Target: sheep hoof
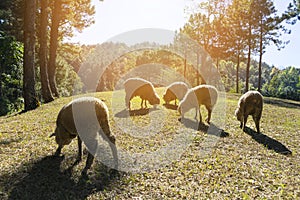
point(179, 119)
point(78, 159)
point(113, 172)
point(57, 153)
point(84, 175)
point(84, 172)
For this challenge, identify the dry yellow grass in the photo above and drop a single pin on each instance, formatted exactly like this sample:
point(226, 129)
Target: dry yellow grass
point(243, 165)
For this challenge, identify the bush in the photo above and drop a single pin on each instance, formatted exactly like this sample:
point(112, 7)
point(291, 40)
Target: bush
point(11, 69)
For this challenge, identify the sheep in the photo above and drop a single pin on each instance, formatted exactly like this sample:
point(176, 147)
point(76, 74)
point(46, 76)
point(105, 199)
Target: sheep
point(206, 95)
point(87, 116)
point(176, 90)
point(142, 88)
point(250, 103)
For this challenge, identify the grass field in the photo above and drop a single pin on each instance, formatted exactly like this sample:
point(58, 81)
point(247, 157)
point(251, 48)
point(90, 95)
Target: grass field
point(240, 165)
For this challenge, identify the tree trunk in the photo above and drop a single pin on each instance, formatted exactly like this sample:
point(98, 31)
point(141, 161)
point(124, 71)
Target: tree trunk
point(184, 68)
point(56, 17)
point(1, 93)
point(29, 94)
point(46, 92)
point(198, 70)
point(260, 55)
point(237, 72)
point(248, 60)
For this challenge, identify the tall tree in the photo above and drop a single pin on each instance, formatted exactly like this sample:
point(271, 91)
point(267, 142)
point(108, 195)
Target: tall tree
point(251, 24)
point(67, 16)
point(29, 93)
point(56, 18)
point(236, 34)
point(269, 29)
point(43, 38)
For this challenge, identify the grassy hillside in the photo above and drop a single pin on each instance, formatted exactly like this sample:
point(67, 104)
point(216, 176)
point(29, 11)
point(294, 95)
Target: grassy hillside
point(242, 165)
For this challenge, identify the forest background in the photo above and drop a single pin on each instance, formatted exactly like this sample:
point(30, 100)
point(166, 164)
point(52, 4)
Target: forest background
point(37, 65)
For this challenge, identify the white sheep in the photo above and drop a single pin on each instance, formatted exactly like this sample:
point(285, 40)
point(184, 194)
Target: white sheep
point(89, 117)
point(250, 103)
point(142, 88)
point(175, 91)
point(206, 95)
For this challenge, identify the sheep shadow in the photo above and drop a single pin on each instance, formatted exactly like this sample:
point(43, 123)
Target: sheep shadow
point(268, 142)
point(210, 129)
point(9, 141)
point(170, 106)
point(46, 180)
point(139, 112)
point(282, 102)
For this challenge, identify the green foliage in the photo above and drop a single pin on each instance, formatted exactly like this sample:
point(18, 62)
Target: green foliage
point(228, 75)
point(284, 84)
point(11, 18)
point(75, 16)
point(292, 14)
point(69, 57)
point(11, 62)
point(68, 82)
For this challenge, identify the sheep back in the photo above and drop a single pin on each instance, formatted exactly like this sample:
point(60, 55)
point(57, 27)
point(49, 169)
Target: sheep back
point(201, 95)
point(174, 91)
point(250, 103)
point(87, 108)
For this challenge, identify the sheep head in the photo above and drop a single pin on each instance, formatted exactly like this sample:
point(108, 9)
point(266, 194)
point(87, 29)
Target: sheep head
point(183, 107)
point(167, 97)
point(62, 137)
point(239, 114)
point(154, 100)
point(179, 108)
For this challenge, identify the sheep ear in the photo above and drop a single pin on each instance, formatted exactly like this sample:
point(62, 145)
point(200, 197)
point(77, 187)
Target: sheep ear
point(53, 134)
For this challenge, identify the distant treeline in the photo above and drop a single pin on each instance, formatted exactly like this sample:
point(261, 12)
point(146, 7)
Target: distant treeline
point(37, 66)
point(282, 83)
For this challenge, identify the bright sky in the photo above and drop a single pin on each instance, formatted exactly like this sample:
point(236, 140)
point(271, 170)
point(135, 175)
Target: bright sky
point(114, 17)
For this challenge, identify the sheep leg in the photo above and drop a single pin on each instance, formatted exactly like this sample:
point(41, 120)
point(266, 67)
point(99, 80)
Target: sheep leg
point(142, 103)
point(256, 120)
point(145, 103)
point(58, 151)
point(115, 154)
point(127, 100)
point(79, 149)
point(245, 121)
point(89, 162)
point(200, 116)
point(208, 114)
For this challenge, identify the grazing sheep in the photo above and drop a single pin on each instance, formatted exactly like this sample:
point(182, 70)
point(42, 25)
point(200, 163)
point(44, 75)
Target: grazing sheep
point(206, 95)
point(176, 90)
point(142, 88)
point(89, 117)
point(250, 103)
